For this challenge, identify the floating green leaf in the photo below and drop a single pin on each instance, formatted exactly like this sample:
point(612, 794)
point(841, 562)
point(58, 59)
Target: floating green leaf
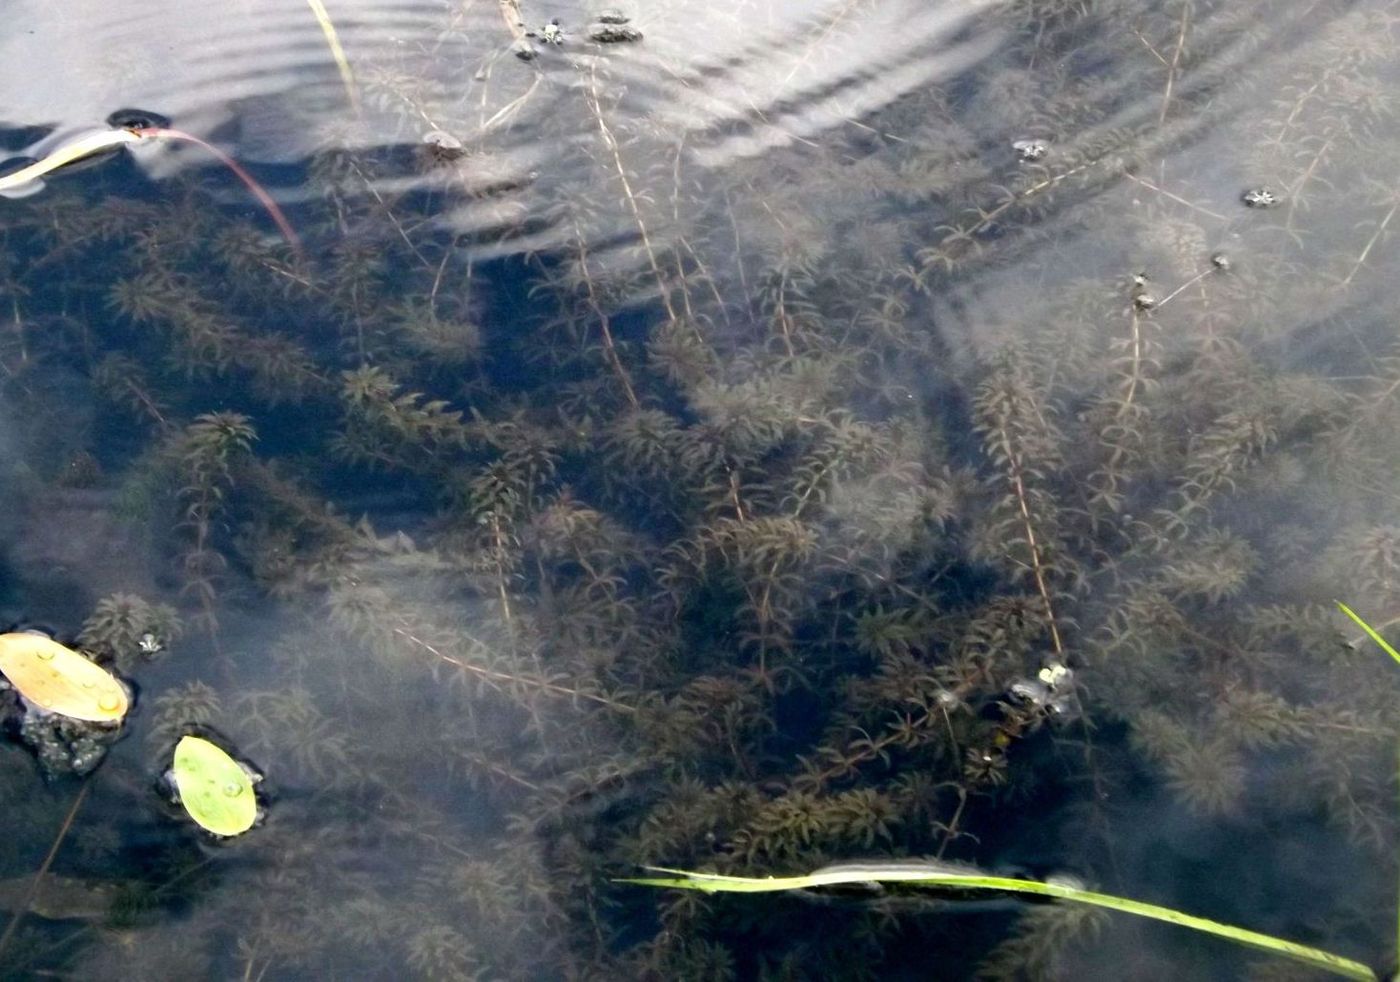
point(216, 790)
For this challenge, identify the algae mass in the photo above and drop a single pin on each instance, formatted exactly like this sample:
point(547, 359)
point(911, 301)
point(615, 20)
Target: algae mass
point(799, 434)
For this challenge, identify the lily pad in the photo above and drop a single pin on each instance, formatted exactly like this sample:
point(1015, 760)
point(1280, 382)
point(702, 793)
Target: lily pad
point(60, 680)
point(218, 791)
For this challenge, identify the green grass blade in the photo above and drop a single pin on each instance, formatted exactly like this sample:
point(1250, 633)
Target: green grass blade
point(716, 883)
point(342, 63)
point(1370, 631)
point(1386, 647)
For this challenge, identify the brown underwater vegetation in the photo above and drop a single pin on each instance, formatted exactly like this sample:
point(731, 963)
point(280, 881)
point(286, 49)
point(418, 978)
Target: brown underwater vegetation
point(724, 541)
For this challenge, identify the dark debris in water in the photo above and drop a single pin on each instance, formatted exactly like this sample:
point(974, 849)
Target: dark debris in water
point(605, 33)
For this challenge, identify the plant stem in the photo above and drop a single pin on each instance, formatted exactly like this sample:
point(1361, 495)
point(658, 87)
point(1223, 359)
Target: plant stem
point(28, 899)
point(254, 188)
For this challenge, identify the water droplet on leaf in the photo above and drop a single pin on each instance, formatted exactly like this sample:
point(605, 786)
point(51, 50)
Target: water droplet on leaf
point(60, 680)
point(216, 790)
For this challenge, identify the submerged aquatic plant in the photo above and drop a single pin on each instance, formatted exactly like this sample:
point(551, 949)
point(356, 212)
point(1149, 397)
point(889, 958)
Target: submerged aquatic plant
point(125, 630)
point(678, 503)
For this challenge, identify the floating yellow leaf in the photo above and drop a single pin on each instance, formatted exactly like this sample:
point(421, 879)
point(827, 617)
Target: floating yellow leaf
point(216, 790)
point(58, 679)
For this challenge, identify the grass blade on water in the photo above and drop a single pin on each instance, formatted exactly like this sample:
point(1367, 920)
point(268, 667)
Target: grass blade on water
point(945, 879)
point(342, 63)
point(1389, 650)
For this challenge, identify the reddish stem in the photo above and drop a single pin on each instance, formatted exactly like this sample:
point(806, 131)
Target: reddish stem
point(265, 199)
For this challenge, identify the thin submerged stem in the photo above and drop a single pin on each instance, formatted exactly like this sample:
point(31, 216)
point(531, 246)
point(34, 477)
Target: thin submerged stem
point(256, 189)
point(506, 678)
point(604, 324)
point(1370, 244)
point(610, 141)
point(1176, 61)
point(22, 908)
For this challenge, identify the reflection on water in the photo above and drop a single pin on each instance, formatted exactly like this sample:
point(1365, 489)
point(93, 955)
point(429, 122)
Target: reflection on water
point(806, 432)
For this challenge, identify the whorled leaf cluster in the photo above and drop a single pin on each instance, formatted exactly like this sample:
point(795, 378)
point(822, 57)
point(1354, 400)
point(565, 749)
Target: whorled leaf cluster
point(749, 557)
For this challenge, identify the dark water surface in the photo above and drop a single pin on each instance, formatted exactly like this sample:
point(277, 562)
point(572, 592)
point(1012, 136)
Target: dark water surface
point(690, 454)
